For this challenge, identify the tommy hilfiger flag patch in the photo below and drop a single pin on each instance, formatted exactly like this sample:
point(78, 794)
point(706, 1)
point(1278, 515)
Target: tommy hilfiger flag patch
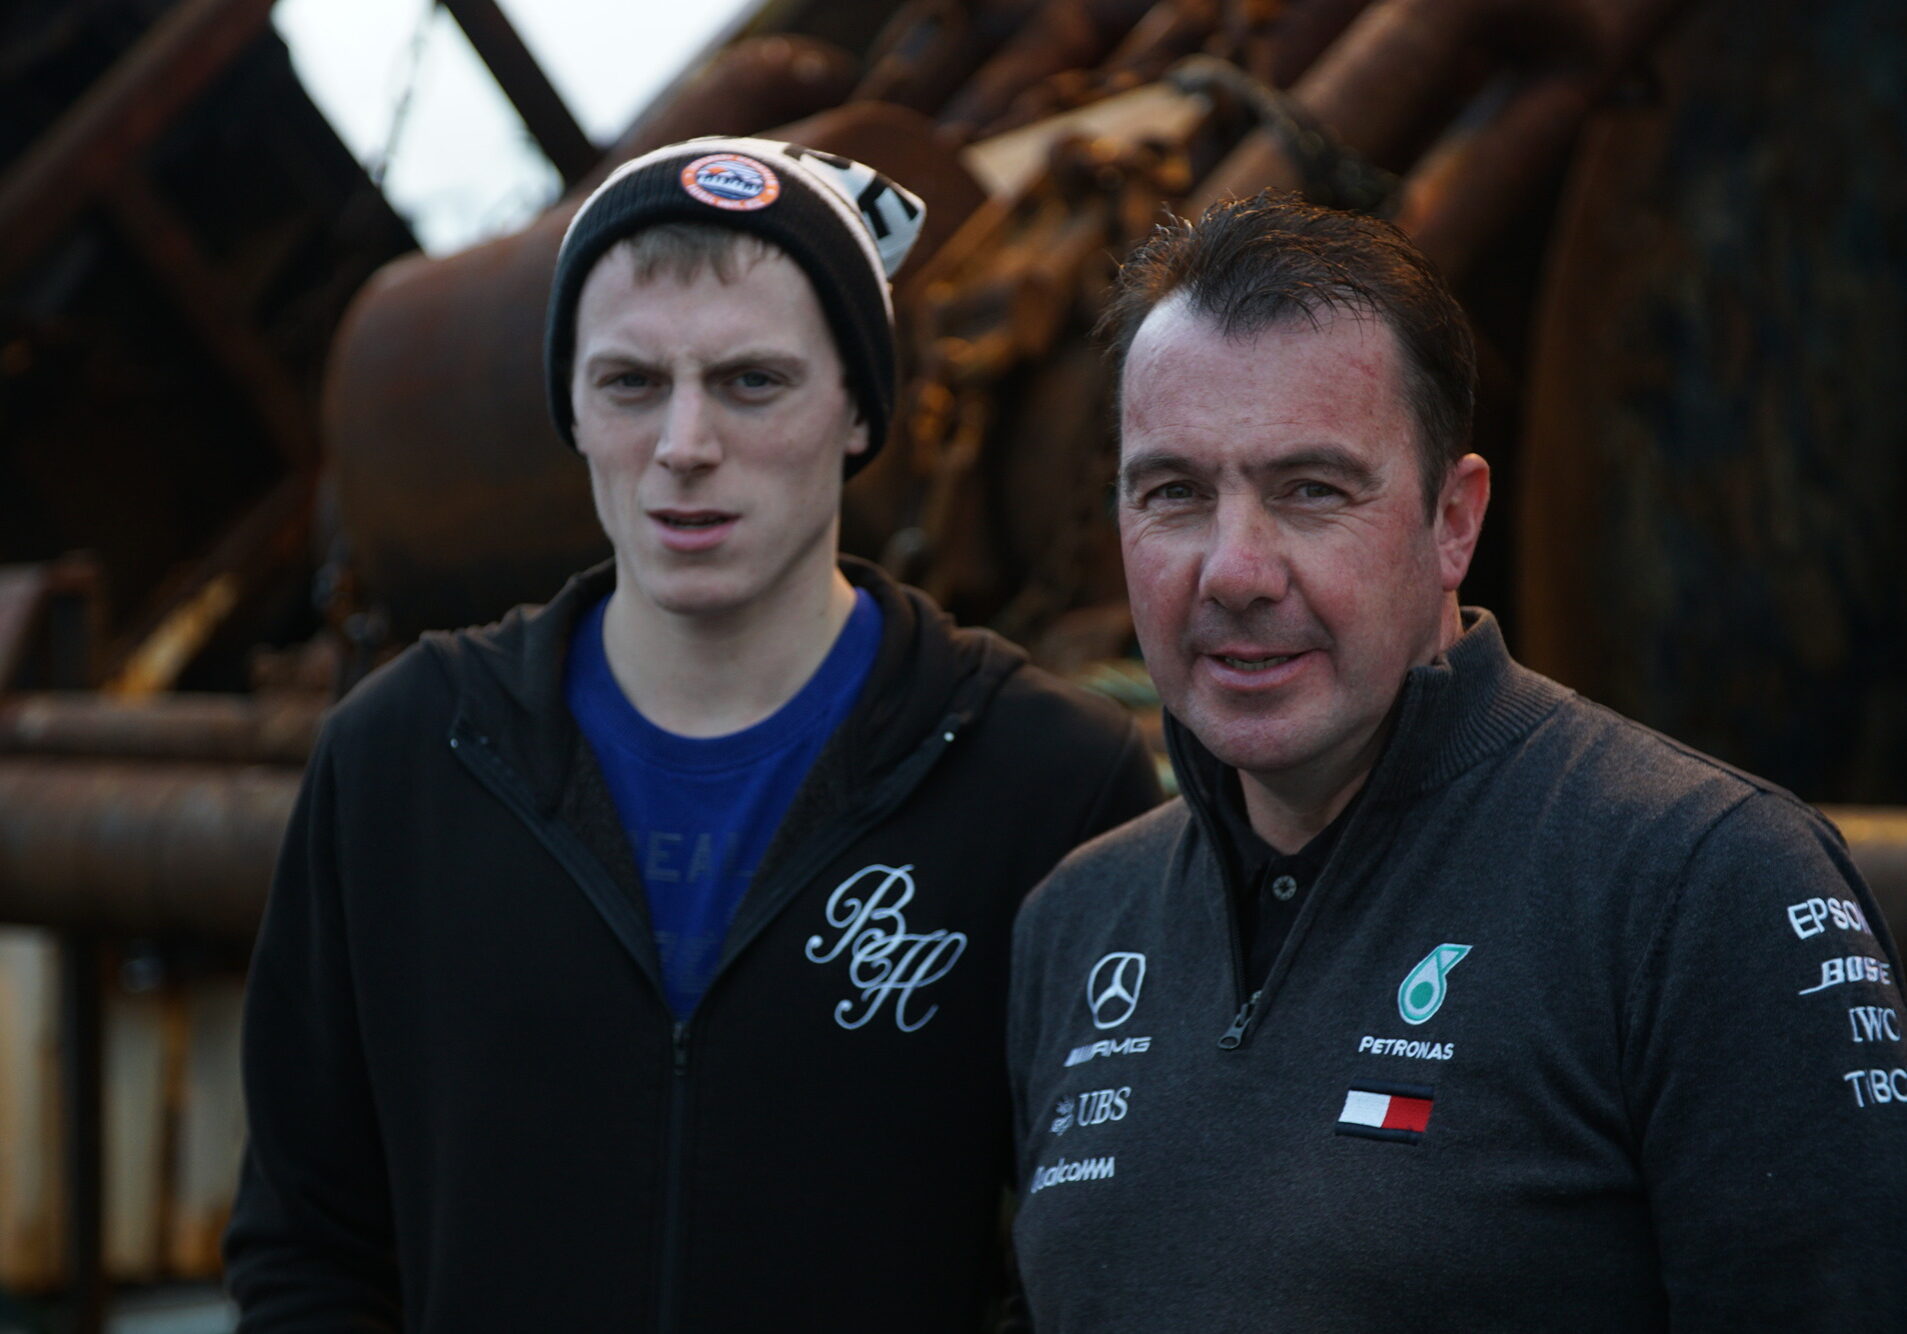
point(1386, 1111)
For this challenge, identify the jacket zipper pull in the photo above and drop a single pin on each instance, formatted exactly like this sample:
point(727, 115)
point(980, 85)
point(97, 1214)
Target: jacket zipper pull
point(1236, 1033)
point(681, 1047)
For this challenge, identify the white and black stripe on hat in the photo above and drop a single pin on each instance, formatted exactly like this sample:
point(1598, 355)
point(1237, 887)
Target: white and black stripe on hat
point(845, 224)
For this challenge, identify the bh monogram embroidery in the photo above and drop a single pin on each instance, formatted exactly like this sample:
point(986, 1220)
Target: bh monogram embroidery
point(886, 961)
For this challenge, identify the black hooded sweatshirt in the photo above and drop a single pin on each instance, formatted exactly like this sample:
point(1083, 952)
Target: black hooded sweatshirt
point(470, 1107)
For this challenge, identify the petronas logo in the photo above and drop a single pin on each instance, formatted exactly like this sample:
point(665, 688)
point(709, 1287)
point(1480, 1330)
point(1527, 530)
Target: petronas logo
point(1421, 993)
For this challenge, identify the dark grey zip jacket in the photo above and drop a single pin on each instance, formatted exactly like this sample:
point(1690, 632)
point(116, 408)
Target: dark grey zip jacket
point(470, 1107)
point(1577, 1030)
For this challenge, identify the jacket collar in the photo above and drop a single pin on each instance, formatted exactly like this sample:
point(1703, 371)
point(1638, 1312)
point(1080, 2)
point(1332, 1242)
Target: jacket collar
point(1472, 701)
point(508, 679)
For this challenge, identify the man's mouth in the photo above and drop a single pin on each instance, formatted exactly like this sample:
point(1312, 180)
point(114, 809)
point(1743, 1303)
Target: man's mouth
point(690, 519)
point(1255, 664)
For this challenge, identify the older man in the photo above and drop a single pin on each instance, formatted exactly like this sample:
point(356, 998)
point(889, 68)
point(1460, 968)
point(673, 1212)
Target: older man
point(1444, 998)
point(638, 962)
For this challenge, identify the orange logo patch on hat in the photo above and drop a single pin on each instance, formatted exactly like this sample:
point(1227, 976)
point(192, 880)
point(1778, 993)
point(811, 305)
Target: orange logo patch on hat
point(731, 181)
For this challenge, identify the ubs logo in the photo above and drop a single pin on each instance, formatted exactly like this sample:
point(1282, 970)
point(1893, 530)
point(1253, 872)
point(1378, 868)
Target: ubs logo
point(1103, 1105)
point(1112, 988)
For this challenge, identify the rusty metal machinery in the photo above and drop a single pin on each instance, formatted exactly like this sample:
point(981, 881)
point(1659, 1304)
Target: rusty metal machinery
point(140, 849)
point(194, 728)
point(1716, 447)
point(161, 341)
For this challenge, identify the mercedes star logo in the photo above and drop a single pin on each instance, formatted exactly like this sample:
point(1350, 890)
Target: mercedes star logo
point(1112, 988)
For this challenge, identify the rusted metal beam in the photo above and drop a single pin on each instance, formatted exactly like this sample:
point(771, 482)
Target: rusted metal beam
point(1304, 30)
point(1059, 35)
point(188, 610)
point(928, 49)
point(1494, 160)
point(1477, 177)
point(217, 313)
point(1403, 60)
point(29, 594)
point(140, 849)
point(22, 589)
point(124, 111)
point(243, 729)
point(529, 89)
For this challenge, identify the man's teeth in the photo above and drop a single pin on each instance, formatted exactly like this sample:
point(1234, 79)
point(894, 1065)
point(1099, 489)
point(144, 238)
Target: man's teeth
point(1255, 664)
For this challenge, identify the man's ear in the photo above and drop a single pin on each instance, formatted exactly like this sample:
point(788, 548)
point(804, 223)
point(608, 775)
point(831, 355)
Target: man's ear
point(1459, 518)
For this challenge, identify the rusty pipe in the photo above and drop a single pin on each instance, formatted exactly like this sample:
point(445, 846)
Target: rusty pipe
point(243, 729)
point(1400, 60)
point(1168, 31)
point(929, 48)
point(1476, 178)
point(1375, 83)
point(1489, 165)
point(1061, 35)
point(1301, 32)
point(139, 849)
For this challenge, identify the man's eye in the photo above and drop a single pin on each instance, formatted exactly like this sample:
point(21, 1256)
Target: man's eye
point(1315, 491)
point(754, 381)
point(1172, 491)
point(631, 381)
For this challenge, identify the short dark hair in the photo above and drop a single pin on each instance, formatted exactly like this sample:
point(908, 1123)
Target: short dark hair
point(1249, 264)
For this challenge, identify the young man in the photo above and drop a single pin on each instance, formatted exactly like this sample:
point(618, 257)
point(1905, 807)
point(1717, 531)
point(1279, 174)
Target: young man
point(1444, 999)
point(639, 962)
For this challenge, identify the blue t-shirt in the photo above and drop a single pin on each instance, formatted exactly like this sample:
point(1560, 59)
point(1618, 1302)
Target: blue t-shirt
point(701, 811)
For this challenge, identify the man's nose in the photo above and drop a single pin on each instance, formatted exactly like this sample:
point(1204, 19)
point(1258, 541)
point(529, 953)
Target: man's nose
point(1246, 560)
point(689, 441)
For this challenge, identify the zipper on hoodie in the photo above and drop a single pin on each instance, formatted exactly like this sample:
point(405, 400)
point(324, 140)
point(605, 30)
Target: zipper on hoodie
point(673, 1145)
point(889, 795)
point(497, 775)
point(787, 885)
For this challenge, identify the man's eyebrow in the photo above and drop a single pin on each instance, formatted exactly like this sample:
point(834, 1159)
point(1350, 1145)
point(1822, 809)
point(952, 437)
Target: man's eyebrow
point(1320, 458)
point(1329, 459)
point(589, 356)
point(1150, 464)
point(774, 358)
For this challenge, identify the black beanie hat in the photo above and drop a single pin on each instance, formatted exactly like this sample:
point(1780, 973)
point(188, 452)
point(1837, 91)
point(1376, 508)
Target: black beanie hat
point(845, 224)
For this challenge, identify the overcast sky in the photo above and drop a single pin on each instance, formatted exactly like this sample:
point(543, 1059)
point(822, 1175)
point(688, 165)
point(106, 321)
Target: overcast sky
point(461, 166)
